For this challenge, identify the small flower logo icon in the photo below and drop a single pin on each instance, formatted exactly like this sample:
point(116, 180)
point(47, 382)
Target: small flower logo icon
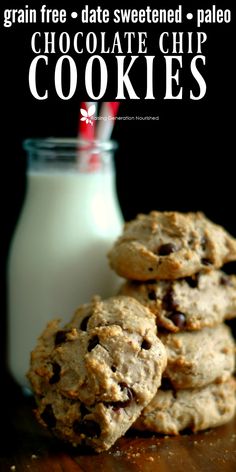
point(87, 115)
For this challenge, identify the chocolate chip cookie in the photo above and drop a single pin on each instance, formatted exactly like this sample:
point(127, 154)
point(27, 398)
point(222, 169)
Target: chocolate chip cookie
point(192, 303)
point(93, 377)
point(198, 358)
point(173, 411)
point(170, 245)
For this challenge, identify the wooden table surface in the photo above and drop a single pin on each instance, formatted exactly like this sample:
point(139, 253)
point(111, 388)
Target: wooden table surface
point(25, 446)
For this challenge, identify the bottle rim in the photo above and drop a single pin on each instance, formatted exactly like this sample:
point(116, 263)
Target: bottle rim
point(72, 144)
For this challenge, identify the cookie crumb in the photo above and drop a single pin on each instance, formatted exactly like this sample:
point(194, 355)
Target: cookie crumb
point(150, 459)
point(13, 467)
point(116, 453)
point(34, 456)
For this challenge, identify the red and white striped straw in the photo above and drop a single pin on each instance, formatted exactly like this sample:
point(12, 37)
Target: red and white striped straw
point(108, 113)
point(90, 161)
point(86, 129)
point(87, 161)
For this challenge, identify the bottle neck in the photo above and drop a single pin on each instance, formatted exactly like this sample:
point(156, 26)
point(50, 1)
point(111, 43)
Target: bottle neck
point(69, 155)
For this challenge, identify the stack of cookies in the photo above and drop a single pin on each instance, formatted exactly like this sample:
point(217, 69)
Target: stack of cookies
point(109, 369)
point(172, 263)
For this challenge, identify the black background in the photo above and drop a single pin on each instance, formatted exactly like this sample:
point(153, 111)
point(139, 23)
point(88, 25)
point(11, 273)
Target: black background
point(182, 162)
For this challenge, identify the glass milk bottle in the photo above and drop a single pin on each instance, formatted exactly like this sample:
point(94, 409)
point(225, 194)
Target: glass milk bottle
point(57, 261)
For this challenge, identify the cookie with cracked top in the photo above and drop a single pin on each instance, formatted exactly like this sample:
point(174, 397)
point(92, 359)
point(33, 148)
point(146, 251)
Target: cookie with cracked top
point(192, 303)
point(93, 377)
point(170, 245)
point(170, 412)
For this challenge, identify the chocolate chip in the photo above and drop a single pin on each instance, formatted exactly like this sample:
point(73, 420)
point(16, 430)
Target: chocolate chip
point(84, 410)
point(168, 301)
point(123, 385)
point(84, 323)
point(130, 394)
point(224, 280)
point(118, 405)
point(129, 390)
point(113, 368)
point(166, 384)
point(150, 269)
point(206, 262)
point(146, 344)
point(60, 337)
point(48, 416)
point(192, 281)
point(166, 249)
point(152, 295)
point(56, 368)
point(137, 282)
point(89, 428)
point(162, 329)
point(93, 343)
point(178, 319)
point(123, 404)
point(203, 243)
point(191, 242)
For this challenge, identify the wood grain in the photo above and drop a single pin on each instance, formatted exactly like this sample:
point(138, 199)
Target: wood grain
point(29, 447)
